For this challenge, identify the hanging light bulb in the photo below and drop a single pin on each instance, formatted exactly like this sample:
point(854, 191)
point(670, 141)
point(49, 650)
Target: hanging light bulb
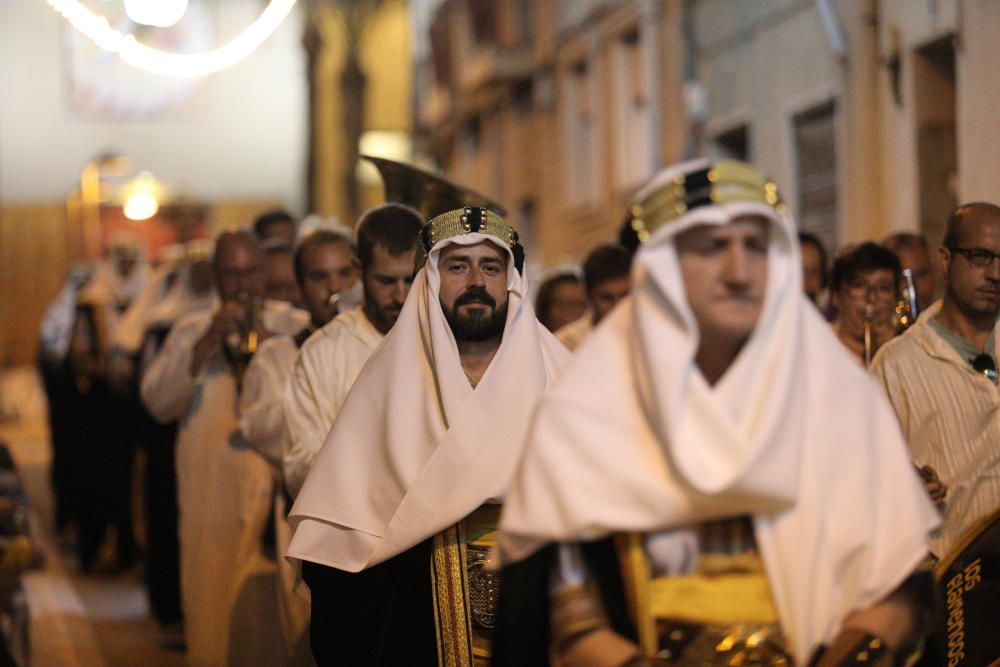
point(156, 13)
point(142, 202)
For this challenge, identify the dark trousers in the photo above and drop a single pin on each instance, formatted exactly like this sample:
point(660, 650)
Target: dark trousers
point(381, 616)
point(104, 463)
point(162, 544)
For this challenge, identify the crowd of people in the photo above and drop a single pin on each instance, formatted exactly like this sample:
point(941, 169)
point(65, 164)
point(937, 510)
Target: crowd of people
point(380, 445)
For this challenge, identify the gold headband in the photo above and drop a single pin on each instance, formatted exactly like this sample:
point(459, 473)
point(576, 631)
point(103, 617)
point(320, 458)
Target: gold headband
point(468, 220)
point(726, 181)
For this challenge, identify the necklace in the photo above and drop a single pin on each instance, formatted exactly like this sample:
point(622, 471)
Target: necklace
point(468, 377)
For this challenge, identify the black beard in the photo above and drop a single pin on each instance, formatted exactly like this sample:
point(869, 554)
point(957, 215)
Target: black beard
point(478, 325)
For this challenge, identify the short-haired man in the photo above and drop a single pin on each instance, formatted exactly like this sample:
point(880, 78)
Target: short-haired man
point(278, 223)
point(325, 265)
point(914, 254)
point(394, 521)
point(279, 274)
point(865, 289)
point(606, 278)
point(224, 488)
point(686, 460)
point(331, 359)
point(941, 377)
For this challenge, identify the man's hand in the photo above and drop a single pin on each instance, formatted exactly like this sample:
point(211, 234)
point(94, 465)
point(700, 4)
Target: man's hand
point(229, 319)
point(936, 489)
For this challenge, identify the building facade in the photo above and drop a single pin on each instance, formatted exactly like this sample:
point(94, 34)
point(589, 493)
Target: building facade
point(872, 115)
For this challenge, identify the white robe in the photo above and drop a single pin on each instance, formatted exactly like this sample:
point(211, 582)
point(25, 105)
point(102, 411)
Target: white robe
point(262, 423)
point(323, 373)
point(228, 593)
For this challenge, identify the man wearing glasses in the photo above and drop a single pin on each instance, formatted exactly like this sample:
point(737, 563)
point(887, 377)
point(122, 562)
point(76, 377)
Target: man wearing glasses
point(864, 287)
point(942, 381)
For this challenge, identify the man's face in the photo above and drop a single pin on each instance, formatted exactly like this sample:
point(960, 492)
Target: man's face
point(870, 293)
point(975, 289)
point(200, 276)
point(812, 271)
point(918, 261)
point(238, 269)
point(568, 304)
point(725, 276)
point(327, 269)
point(606, 294)
point(387, 282)
point(279, 278)
point(474, 290)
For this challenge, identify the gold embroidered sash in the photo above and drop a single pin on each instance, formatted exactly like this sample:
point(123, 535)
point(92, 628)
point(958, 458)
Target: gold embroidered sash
point(464, 592)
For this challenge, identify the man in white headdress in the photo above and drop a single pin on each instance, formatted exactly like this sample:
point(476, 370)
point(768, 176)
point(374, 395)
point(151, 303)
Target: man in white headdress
point(330, 360)
point(394, 521)
point(713, 480)
point(325, 265)
point(61, 393)
point(224, 488)
point(106, 429)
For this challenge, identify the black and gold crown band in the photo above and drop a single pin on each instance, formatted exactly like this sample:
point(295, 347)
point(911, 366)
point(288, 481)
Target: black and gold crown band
point(468, 220)
point(724, 181)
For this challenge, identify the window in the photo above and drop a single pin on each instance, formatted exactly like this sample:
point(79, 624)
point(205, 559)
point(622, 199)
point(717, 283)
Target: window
point(580, 132)
point(816, 157)
point(633, 123)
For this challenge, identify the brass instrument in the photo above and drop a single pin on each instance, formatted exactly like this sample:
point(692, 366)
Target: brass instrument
point(429, 193)
point(908, 307)
point(240, 346)
point(869, 349)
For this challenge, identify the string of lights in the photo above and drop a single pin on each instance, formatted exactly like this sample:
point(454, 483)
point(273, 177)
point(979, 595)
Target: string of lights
point(139, 55)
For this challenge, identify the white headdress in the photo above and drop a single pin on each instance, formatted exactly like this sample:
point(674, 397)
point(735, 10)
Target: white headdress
point(632, 437)
point(415, 449)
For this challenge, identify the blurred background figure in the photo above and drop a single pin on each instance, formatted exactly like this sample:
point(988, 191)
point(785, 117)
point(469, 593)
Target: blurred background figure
point(561, 298)
point(914, 254)
point(104, 456)
point(606, 280)
point(864, 285)
point(277, 224)
point(64, 413)
point(816, 272)
point(279, 272)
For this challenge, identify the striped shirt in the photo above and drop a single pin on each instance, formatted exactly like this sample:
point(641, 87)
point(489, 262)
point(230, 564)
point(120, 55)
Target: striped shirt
point(950, 415)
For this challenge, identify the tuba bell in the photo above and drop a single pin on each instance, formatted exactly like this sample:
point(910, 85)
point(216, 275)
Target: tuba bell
point(429, 193)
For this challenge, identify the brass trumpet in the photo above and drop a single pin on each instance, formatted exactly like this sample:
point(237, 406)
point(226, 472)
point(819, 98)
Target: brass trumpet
point(908, 307)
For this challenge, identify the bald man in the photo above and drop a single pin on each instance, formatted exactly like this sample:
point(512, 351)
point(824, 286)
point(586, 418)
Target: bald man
point(224, 488)
point(941, 378)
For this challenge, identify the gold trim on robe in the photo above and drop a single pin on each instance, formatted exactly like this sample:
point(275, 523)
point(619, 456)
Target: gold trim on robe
point(722, 614)
point(465, 592)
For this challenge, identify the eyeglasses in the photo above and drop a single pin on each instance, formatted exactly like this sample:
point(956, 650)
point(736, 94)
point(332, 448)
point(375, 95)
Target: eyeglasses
point(986, 365)
point(859, 289)
point(977, 257)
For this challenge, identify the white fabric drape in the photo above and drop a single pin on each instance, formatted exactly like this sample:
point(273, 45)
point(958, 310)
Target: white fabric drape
point(632, 438)
point(415, 449)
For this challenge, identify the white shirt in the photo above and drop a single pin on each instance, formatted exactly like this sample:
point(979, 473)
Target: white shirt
point(262, 420)
point(950, 416)
point(322, 374)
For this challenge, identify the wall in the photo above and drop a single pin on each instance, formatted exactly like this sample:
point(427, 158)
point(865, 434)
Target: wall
point(385, 58)
point(243, 136)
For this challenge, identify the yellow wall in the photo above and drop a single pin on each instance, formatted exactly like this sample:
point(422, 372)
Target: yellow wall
point(386, 60)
